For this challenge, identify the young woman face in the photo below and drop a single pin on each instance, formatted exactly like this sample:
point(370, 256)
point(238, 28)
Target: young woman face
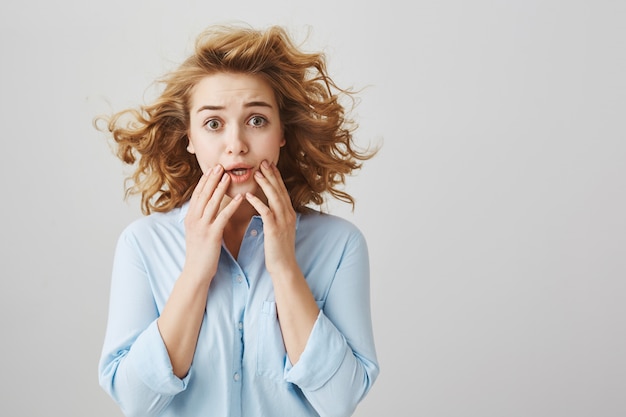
point(234, 122)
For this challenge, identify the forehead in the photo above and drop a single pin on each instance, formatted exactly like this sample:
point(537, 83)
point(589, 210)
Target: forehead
point(228, 89)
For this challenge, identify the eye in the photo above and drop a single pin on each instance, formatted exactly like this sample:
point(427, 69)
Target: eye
point(213, 124)
point(257, 121)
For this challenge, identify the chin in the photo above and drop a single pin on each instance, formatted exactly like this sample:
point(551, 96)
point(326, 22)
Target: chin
point(242, 189)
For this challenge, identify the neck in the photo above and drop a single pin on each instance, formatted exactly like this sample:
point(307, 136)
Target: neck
point(236, 227)
point(242, 216)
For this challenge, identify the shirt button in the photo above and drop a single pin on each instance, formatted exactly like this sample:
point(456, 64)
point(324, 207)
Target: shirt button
point(240, 325)
point(239, 278)
point(236, 376)
point(253, 232)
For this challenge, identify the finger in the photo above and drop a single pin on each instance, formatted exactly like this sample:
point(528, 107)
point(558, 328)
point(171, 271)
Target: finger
point(227, 212)
point(259, 206)
point(195, 209)
point(273, 199)
point(273, 177)
point(200, 185)
point(212, 206)
point(206, 189)
point(279, 184)
point(271, 183)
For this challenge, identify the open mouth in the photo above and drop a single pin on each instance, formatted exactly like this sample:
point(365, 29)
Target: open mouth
point(238, 172)
point(240, 175)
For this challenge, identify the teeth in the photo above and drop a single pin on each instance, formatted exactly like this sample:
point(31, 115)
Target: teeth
point(239, 171)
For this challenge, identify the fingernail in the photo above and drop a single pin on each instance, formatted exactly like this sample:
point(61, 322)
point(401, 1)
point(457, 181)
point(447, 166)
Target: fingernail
point(237, 197)
point(258, 174)
point(224, 177)
point(265, 164)
point(217, 169)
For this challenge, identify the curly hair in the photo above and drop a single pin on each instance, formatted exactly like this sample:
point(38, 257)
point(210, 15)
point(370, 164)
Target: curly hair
point(319, 152)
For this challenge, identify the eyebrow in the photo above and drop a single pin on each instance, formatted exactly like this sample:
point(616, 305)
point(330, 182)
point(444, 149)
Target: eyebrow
point(249, 104)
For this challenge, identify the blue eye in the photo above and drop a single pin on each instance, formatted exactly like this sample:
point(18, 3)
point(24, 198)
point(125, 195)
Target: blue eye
point(257, 121)
point(213, 124)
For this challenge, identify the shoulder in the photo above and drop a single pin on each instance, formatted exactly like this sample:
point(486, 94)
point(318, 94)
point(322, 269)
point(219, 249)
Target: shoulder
point(155, 239)
point(328, 225)
point(329, 239)
point(153, 225)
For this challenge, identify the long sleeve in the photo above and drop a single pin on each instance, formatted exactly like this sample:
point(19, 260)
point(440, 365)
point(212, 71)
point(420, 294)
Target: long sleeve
point(339, 366)
point(134, 367)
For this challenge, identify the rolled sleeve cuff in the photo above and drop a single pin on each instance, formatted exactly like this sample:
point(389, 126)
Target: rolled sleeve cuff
point(152, 364)
point(322, 356)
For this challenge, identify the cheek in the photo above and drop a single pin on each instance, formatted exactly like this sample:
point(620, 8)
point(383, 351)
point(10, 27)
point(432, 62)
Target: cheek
point(205, 158)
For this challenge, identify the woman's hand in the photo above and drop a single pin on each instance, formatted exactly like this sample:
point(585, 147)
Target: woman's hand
point(205, 223)
point(279, 219)
point(295, 305)
point(181, 318)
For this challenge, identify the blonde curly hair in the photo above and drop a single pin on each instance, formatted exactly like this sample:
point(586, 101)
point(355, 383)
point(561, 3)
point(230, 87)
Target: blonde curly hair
point(319, 152)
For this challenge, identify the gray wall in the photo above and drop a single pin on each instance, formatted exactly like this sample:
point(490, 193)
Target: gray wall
point(495, 211)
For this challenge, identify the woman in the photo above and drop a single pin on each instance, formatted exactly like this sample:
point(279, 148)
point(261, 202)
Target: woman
point(233, 296)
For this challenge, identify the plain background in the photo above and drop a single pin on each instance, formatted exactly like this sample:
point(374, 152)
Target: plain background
point(495, 212)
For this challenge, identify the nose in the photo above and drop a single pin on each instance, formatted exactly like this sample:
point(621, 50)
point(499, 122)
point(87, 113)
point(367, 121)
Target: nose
point(236, 141)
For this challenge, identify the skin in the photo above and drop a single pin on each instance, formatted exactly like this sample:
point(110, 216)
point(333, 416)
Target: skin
point(236, 134)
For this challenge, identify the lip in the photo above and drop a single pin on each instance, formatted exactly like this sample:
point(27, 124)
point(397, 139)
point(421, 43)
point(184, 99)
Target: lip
point(244, 173)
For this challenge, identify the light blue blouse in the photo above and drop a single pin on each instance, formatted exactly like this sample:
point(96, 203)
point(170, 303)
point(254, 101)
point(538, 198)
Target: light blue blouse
point(240, 367)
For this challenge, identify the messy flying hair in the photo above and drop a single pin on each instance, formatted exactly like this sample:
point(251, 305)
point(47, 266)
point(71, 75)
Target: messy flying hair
point(319, 150)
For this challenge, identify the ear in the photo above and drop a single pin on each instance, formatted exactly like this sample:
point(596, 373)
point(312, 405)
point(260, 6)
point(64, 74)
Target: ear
point(190, 147)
